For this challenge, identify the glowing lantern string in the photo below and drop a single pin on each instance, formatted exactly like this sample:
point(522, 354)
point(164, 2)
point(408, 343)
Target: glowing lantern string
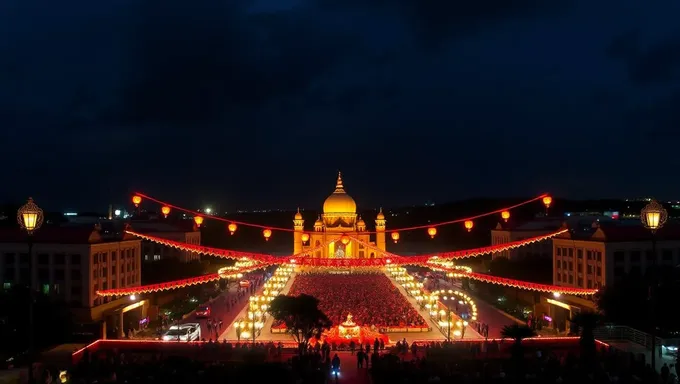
point(165, 210)
point(469, 224)
point(395, 237)
point(136, 200)
point(432, 231)
point(505, 215)
point(232, 228)
point(283, 229)
point(198, 220)
point(304, 258)
point(267, 233)
point(460, 254)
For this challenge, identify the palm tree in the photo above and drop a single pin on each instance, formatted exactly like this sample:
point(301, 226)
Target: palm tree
point(585, 324)
point(518, 333)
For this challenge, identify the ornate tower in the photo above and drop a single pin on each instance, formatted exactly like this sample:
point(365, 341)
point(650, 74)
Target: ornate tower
point(380, 231)
point(361, 225)
point(299, 227)
point(318, 225)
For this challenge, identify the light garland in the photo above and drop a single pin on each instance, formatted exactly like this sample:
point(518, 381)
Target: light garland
point(462, 254)
point(176, 284)
point(439, 262)
point(464, 297)
point(228, 254)
point(267, 230)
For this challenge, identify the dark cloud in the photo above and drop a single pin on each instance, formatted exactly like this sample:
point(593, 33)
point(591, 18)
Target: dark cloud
point(624, 46)
point(437, 21)
point(659, 120)
point(657, 64)
point(201, 67)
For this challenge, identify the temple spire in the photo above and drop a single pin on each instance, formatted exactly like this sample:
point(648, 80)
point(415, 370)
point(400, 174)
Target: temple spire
point(338, 184)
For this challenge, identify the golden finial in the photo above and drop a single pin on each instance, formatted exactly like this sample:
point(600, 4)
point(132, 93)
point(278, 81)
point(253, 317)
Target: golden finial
point(339, 188)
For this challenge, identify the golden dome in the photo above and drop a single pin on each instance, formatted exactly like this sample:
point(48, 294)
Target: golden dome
point(381, 215)
point(339, 202)
point(318, 222)
point(361, 222)
point(298, 215)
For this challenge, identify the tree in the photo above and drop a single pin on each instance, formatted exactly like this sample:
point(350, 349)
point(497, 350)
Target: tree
point(52, 322)
point(626, 302)
point(585, 323)
point(302, 317)
point(518, 333)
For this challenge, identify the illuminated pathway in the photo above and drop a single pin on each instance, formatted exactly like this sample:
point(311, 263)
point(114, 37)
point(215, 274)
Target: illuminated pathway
point(435, 334)
point(487, 313)
point(266, 335)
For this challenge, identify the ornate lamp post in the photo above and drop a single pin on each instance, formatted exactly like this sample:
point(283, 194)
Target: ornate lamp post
point(30, 219)
point(653, 217)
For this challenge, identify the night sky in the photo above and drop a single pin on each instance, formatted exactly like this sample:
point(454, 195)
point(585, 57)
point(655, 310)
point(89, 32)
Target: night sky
point(258, 104)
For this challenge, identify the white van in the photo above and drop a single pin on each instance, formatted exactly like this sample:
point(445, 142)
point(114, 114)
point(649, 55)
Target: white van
point(183, 332)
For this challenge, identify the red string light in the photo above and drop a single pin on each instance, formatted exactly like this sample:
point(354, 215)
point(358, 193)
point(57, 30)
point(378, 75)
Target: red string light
point(461, 254)
point(521, 284)
point(160, 287)
point(265, 227)
point(303, 258)
point(226, 253)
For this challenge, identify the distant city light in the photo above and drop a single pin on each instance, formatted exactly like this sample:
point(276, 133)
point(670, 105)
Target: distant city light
point(117, 212)
point(208, 210)
point(70, 214)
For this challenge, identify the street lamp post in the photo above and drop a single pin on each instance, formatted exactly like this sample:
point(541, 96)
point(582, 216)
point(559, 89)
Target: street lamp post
point(653, 217)
point(30, 219)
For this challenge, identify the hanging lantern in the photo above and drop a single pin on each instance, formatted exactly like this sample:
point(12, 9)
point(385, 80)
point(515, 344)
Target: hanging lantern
point(305, 237)
point(395, 237)
point(547, 201)
point(165, 210)
point(653, 216)
point(432, 231)
point(267, 233)
point(344, 239)
point(136, 199)
point(505, 215)
point(468, 225)
point(198, 220)
point(232, 228)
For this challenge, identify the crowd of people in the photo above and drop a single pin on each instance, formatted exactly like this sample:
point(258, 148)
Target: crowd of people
point(403, 363)
point(470, 363)
point(371, 298)
point(209, 363)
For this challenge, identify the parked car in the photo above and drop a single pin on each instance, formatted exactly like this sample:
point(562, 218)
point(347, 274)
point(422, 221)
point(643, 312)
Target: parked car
point(183, 332)
point(203, 311)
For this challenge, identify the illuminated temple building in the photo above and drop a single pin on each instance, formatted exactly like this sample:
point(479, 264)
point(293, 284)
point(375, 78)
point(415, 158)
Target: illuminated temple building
point(339, 219)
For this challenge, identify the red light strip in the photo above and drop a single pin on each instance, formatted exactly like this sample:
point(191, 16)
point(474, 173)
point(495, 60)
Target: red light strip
point(160, 287)
point(388, 258)
point(462, 254)
point(262, 260)
point(195, 213)
point(490, 249)
point(225, 253)
point(524, 284)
